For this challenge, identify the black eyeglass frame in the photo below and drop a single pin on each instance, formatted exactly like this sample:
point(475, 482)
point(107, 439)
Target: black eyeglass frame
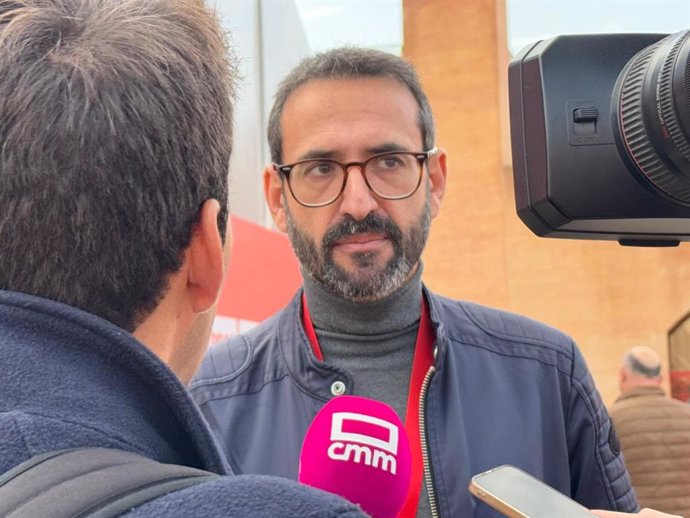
point(421, 157)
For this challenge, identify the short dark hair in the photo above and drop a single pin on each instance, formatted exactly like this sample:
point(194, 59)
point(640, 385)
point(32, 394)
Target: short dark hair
point(346, 62)
point(115, 126)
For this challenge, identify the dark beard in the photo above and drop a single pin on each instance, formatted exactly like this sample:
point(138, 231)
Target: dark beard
point(366, 283)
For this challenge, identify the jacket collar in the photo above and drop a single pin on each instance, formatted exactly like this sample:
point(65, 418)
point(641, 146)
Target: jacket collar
point(641, 391)
point(316, 377)
point(61, 362)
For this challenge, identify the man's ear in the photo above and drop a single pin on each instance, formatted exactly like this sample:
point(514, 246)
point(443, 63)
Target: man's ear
point(437, 179)
point(205, 258)
point(273, 191)
point(622, 375)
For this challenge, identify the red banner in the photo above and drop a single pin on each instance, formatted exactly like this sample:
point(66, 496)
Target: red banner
point(680, 385)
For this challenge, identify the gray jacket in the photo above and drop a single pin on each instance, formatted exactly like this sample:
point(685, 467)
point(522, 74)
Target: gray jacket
point(504, 390)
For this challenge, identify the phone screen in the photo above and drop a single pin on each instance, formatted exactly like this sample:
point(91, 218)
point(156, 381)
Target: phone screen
point(508, 488)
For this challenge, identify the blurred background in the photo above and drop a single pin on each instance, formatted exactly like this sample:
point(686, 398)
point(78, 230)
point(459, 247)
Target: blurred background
point(608, 298)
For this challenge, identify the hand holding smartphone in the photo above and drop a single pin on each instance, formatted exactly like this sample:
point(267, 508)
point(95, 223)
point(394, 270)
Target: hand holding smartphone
point(519, 495)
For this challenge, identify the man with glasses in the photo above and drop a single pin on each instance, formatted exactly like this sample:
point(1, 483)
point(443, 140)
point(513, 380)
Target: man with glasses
point(356, 180)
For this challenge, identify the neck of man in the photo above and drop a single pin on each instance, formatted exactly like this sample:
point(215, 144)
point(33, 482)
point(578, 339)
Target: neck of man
point(643, 383)
point(331, 312)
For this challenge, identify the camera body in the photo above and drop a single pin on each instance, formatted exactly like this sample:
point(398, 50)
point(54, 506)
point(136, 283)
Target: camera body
point(579, 105)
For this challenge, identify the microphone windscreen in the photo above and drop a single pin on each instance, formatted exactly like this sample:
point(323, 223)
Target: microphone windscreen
point(357, 448)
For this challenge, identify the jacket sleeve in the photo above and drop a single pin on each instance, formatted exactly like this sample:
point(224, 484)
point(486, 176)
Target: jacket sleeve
point(598, 476)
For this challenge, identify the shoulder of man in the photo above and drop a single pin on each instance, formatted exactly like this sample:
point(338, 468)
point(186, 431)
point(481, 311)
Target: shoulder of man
point(658, 404)
point(258, 496)
point(227, 360)
point(231, 356)
point(501, 331)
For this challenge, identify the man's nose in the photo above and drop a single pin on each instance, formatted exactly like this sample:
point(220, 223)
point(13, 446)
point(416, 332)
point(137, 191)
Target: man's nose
point(357, 199)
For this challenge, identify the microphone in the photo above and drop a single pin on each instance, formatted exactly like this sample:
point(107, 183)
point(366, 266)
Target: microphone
point(357, 448)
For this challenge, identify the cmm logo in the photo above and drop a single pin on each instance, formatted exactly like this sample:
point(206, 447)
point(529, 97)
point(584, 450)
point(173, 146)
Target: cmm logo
point(361, 448)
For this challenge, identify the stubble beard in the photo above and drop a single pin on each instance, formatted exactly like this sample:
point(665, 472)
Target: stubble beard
point(367, 282)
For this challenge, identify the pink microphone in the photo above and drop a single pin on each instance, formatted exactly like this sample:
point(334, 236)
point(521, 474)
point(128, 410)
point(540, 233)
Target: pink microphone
point(357, 448)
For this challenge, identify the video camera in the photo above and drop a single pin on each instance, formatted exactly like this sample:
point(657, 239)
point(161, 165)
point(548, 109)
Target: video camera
point(600, 130)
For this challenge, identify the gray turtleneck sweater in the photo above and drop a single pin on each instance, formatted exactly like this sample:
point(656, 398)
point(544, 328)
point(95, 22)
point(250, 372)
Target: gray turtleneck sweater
point(373, 341)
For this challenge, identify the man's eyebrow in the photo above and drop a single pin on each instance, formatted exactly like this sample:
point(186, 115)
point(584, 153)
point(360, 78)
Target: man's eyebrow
point(386, 147)
point(317, 153)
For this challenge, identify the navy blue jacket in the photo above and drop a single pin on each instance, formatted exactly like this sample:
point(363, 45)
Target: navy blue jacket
point(70, 379)
point(506, 390)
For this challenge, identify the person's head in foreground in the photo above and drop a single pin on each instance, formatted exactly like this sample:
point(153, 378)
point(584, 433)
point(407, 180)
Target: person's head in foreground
point(116, 132)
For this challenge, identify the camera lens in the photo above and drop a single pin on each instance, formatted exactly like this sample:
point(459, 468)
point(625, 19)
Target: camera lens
point(652, 104)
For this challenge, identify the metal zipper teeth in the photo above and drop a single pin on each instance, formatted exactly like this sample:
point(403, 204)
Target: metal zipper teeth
point(428, 477)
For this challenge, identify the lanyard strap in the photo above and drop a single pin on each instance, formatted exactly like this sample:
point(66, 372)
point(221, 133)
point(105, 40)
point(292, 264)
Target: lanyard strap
point(422, 361)
point(309, 328)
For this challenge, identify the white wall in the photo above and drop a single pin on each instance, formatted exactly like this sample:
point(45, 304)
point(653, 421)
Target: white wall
point(269, 40)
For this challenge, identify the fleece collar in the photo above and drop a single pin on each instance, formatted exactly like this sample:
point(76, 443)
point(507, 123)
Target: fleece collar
point(63, 363)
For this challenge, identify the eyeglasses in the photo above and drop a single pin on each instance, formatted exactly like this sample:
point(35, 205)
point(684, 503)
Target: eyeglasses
point(320, 181)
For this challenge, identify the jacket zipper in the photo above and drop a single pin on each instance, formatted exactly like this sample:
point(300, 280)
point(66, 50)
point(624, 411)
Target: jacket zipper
point(428, 477)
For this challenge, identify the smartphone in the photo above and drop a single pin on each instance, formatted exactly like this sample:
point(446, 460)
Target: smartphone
point(519, 495)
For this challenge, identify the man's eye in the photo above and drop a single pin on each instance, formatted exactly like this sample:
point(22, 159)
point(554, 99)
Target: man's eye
point(389, 162)
point(320, 169)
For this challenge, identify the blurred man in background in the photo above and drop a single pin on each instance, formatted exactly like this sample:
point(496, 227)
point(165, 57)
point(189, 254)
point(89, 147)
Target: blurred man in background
point(654, 431)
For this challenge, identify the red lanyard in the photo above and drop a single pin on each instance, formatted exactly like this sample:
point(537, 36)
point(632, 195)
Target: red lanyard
point(422, 361)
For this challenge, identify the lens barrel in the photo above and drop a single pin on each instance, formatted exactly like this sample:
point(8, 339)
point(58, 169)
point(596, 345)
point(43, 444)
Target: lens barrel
point(652, 104)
